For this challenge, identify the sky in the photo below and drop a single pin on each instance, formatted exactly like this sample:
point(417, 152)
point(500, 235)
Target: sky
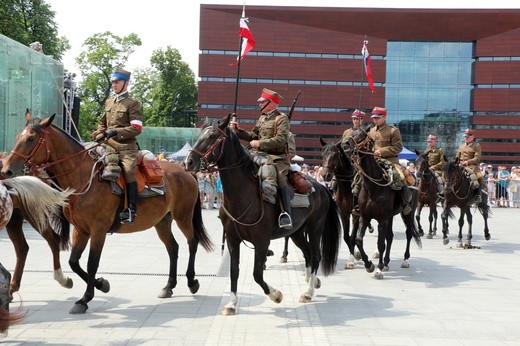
point(176, 23)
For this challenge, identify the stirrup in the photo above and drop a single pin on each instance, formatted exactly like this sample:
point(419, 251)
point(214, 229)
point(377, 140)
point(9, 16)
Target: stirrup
point(127, 216)
point(284, 221)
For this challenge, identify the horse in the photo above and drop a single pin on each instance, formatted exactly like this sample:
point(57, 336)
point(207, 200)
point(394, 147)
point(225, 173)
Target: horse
point(245, 216)
point(457, 192)
point(336, 164)
point(43, 202)
point(94, 209)
point(428, 194)
point(377, 200)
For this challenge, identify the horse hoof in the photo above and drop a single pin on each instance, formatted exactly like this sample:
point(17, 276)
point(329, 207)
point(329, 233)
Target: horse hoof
point(378, 275)
point(375, 255)
point(283, 259)
point(357, 255)
point(371, 267)
point(270, 253)
point(228, 312)
point(370, 229)
point(459, 244)
point(165, 293)
point(429, 236)
point(317, 284)
point(421, 233)
point(305, 298)
point(105, 285)
point(445, 241)
point(488, 237)
point(195, 287)
point(78, 308)
point(385, 269)
point(349, 265)
point(405, 264)
point(69, 283)
point(276, 296)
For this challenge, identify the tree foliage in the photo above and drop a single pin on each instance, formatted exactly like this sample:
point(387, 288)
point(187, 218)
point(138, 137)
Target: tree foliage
point(104, 52)
point(27, 21)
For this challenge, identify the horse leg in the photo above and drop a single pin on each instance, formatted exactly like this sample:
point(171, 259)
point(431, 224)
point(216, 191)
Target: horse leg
point(258, 273)
point(444, 216)
point(349, 237)
point(54, 244)
point(418, 219)
point(163, 229)
point(389, 240)
point(369, 266)
point(283, 259)
point(461, 225)
point(21, 248)
point(382, 227)
point(301, 242)
point(234, 265)
point(433, 212)
point(79, 243)
point(469, 236)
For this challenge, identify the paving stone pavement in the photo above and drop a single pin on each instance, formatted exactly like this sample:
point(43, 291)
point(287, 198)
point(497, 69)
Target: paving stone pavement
point(448, 296)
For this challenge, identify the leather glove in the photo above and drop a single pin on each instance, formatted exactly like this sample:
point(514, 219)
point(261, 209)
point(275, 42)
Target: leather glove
point(110, 133)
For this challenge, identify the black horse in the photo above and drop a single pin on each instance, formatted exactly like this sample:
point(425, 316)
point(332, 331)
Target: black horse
point(246, 216)
point(377, 200)
point(428, 194)
point(457, 192)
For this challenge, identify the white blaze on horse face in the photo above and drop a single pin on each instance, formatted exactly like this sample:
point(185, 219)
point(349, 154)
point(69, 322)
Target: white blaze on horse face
point(6, 206)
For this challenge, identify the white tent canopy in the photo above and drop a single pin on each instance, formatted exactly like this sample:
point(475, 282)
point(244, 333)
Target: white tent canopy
point(182, 153)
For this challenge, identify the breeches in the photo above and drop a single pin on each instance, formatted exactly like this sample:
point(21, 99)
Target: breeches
point(128, 160)
point(282, 167)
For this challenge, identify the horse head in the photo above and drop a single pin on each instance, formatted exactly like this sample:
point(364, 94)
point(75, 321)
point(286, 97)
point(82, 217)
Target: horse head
point(423, 168)
point(31, 148)
point(335, 161)
point(360, 141)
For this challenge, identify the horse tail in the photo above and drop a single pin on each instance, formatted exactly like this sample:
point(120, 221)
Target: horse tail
point(330, 238)
point(61, 226)
point(198, 226)
point(40, 201)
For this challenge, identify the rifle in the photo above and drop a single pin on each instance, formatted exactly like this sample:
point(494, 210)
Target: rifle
point(291, 110)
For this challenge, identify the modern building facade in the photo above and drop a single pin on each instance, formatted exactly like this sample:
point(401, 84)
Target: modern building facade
point(436, 71)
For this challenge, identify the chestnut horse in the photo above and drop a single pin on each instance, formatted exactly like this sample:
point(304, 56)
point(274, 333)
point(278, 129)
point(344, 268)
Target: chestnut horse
point(43, 202)
point(377, 200)
point(245, 216)
point(428, 194)
point(94, 209)
point(457, 192)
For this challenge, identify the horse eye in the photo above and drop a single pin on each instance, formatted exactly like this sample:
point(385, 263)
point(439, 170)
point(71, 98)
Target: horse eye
point(30, 139)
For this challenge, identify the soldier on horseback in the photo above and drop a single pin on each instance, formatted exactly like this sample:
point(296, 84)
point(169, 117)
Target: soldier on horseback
point(469, 156)
point(436, 161)
point(121, 123)
point(357, 120)
point(387, 145)
point(270, 135)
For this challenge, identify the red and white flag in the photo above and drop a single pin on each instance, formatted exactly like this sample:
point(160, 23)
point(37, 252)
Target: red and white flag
point(366, 63)
point(247, 41)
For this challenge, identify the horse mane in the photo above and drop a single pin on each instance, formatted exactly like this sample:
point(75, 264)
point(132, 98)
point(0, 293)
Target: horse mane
point(35, 124)
point(244, 155)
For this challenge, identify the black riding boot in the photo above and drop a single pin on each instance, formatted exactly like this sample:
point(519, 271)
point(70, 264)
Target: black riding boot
point(284, 220)
point(129, 214)
point(406, 194)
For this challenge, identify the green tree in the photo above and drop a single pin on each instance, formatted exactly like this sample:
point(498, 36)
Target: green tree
point(145, 87)
point(176, 92)
point(27, 21)
point(104, 52)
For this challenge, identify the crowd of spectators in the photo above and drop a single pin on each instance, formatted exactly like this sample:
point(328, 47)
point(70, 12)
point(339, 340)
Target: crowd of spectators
point(503, 185)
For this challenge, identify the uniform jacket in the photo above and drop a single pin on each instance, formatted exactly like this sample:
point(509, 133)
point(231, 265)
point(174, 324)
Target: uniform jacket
point(118, 114)
point(347, 132)
point(436, 159)
point(388, 140)
point(271, 143)
point(470, 152)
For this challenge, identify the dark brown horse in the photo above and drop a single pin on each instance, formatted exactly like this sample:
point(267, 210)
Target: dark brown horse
point(246, 216)
point(94, 209)
point(380, 202)
point(457, 192)
point(336, 164)
point(428, 194)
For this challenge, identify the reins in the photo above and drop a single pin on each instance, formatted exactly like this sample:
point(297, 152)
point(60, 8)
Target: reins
point(458, 179)
point(363, 148)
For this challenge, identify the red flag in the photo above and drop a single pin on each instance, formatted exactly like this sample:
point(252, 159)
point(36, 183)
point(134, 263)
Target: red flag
point(247, 42)
point(366, 63)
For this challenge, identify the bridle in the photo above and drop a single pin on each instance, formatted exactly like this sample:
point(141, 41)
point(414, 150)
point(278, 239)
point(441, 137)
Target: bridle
point(341, 156)
point(458, 179)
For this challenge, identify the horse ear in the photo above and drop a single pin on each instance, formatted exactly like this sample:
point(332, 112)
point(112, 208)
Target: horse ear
point(28, 116)
point(417, 152)
point(322, 142)
point(225, 121)
point(47, 121)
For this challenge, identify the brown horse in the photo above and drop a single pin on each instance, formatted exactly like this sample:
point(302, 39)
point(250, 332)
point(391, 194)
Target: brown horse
point(428, 194)
point(377, 200)
point(94, 209)
point(457, 192)
point(28, 193)
point(246, 216)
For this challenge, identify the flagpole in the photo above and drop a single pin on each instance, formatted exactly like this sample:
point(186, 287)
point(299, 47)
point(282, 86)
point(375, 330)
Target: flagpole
point(362, 77)
point(238, 76)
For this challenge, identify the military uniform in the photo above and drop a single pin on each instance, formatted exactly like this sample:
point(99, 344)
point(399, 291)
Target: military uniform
point(388, 140)
point(436, 159)
point(347, 132)
point(274, 144)
point(470, 152)
point(118, 114)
